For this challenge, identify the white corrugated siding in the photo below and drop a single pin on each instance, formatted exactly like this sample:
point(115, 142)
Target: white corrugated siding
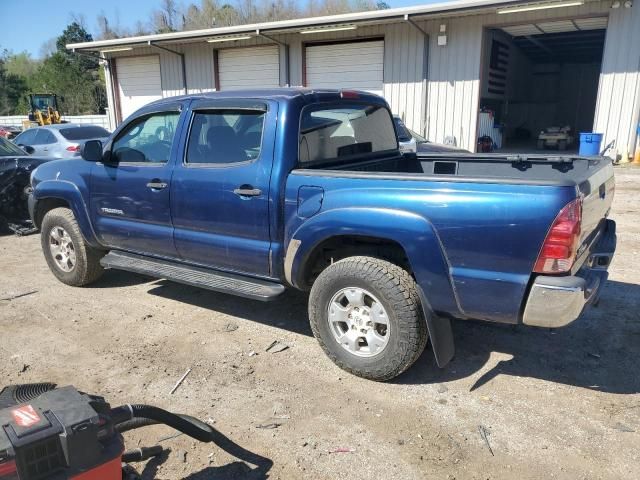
point(255, 67)
point(403, 71)
point(357, 65)
point(447, 104)
point(618, 105)
point(199, 66)
point(138, 82)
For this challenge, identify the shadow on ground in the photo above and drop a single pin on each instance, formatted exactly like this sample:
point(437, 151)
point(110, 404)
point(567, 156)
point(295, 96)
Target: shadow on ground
point(250, 466)
point(288, 312)
point(599, 351)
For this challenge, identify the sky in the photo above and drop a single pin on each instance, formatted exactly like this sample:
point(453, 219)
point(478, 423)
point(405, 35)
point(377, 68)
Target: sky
point(28, 24)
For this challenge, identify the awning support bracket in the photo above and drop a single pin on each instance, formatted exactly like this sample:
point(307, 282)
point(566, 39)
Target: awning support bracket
point(286, 54)
point(410, 21)
point(182, 62)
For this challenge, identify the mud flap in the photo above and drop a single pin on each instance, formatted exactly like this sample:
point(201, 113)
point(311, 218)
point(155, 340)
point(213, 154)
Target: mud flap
point(440, 333)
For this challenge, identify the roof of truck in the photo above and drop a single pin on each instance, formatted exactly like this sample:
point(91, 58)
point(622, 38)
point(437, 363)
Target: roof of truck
point(282, 94)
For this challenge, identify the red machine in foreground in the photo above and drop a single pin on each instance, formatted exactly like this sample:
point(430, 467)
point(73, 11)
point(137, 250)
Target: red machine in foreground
point(61, 433)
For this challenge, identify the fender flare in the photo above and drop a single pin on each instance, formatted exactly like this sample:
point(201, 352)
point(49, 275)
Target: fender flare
point(415, 234)
point(70, 193)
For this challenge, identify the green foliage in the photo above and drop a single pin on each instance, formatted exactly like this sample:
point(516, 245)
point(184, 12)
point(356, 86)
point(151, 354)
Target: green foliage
point(78, 80)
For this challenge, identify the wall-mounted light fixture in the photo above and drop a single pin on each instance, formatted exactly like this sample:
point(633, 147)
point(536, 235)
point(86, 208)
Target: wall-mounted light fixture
point(336, 28)
point(616, 4)
point(541, 6)
point(118, 49)
point(442, 35)
point(229, 39)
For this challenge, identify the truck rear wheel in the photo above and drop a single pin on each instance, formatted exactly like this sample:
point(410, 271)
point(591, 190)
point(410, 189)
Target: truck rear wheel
point(70, 259)
point(366, 315)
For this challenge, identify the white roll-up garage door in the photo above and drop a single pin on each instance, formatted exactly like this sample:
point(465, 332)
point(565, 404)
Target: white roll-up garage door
point(138, 82)
point(253, 67)
point(357, 65)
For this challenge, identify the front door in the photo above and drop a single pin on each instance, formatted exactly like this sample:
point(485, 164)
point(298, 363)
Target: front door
point(130, 194)
point(220, 193)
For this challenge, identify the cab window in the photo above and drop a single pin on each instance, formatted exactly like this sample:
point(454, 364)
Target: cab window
point(225, 136)
point(147, 139)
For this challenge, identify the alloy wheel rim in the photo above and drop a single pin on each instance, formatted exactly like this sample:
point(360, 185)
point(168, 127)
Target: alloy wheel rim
point(359, 322)
point(62, 249)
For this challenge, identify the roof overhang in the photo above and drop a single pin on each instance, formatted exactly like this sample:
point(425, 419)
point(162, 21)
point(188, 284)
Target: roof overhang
point(441, 9)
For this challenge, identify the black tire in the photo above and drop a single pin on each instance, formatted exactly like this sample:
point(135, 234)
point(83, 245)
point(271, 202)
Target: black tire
point(396, 290)
point(87, 268)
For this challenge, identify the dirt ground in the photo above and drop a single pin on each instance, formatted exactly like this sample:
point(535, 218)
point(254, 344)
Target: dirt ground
point(559, 404)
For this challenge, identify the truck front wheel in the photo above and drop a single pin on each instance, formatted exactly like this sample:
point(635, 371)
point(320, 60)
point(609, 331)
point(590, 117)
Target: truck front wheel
point(70, 259)
point(366, 315)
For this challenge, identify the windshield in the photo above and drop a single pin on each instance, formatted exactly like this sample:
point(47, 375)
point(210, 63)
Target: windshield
point(345, 132)
point(83, 133)
point(42, 102)
point(8, 149)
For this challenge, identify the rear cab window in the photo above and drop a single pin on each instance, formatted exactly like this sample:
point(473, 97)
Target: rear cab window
point(334, 134)
point(84, 133)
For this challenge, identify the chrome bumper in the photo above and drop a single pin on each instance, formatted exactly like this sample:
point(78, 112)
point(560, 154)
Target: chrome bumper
point(557, 301)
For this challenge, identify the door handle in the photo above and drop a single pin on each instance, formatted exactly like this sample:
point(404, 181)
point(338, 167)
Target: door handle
point(247, 191)
point(156, 184)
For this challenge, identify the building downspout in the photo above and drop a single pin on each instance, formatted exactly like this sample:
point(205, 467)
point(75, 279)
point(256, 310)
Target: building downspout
point(182, 63)
point(286, 55)
point(634, 145)
point(425, 70)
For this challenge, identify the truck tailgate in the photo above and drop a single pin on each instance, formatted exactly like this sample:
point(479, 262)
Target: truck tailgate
point(597, 191)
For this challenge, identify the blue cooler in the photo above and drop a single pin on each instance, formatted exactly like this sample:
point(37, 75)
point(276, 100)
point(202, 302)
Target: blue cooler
point(590, 144)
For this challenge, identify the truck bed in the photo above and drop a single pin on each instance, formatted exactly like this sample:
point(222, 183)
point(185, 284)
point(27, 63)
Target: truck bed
point(490, 213)
point(591, 176)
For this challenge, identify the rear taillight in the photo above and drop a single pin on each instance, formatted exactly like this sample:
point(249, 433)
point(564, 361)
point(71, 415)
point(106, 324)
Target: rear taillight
point(73, 148)
point(559, 248)
point(8, 470)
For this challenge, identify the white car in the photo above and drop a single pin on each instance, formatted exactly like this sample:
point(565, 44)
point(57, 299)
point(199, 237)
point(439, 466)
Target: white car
point(63, 140)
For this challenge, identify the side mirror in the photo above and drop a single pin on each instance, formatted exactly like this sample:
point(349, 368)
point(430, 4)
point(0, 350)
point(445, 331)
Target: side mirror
point(27, 148)
point(92, 151)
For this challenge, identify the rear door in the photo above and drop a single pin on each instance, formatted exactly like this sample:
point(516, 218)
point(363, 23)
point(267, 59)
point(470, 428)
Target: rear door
point(45, 144)
point(130, 196)
point(220, 191)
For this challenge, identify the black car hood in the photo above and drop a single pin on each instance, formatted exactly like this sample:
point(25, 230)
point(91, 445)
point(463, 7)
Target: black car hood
point(18, 168)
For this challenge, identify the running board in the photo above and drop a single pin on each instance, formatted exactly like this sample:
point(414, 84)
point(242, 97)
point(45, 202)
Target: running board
point(194, 276)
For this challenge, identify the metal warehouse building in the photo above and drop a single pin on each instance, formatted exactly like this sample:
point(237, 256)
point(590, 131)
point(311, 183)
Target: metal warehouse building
point(453, 71)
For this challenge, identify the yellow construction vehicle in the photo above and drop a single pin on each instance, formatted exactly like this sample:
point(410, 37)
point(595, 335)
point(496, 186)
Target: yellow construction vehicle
point(44, 110)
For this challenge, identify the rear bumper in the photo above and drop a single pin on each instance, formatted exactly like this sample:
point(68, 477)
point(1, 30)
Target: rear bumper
point(557, 301)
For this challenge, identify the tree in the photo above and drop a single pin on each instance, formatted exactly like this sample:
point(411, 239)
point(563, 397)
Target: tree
point(13, 86)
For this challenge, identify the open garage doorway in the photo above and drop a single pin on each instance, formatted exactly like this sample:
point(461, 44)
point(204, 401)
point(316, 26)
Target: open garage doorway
point(540, 84)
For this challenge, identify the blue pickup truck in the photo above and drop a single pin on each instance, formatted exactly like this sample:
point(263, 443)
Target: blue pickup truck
point(254, 192)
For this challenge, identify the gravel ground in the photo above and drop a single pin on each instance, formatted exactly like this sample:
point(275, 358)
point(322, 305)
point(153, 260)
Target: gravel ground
point(554, 404)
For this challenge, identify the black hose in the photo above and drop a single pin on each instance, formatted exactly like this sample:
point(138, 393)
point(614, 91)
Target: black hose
point(126, 414)
point(183, 423)
point(142, 454)
point(135, 423)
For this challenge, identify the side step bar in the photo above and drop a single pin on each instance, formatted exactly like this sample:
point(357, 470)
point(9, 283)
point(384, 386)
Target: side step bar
point(195, 276)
